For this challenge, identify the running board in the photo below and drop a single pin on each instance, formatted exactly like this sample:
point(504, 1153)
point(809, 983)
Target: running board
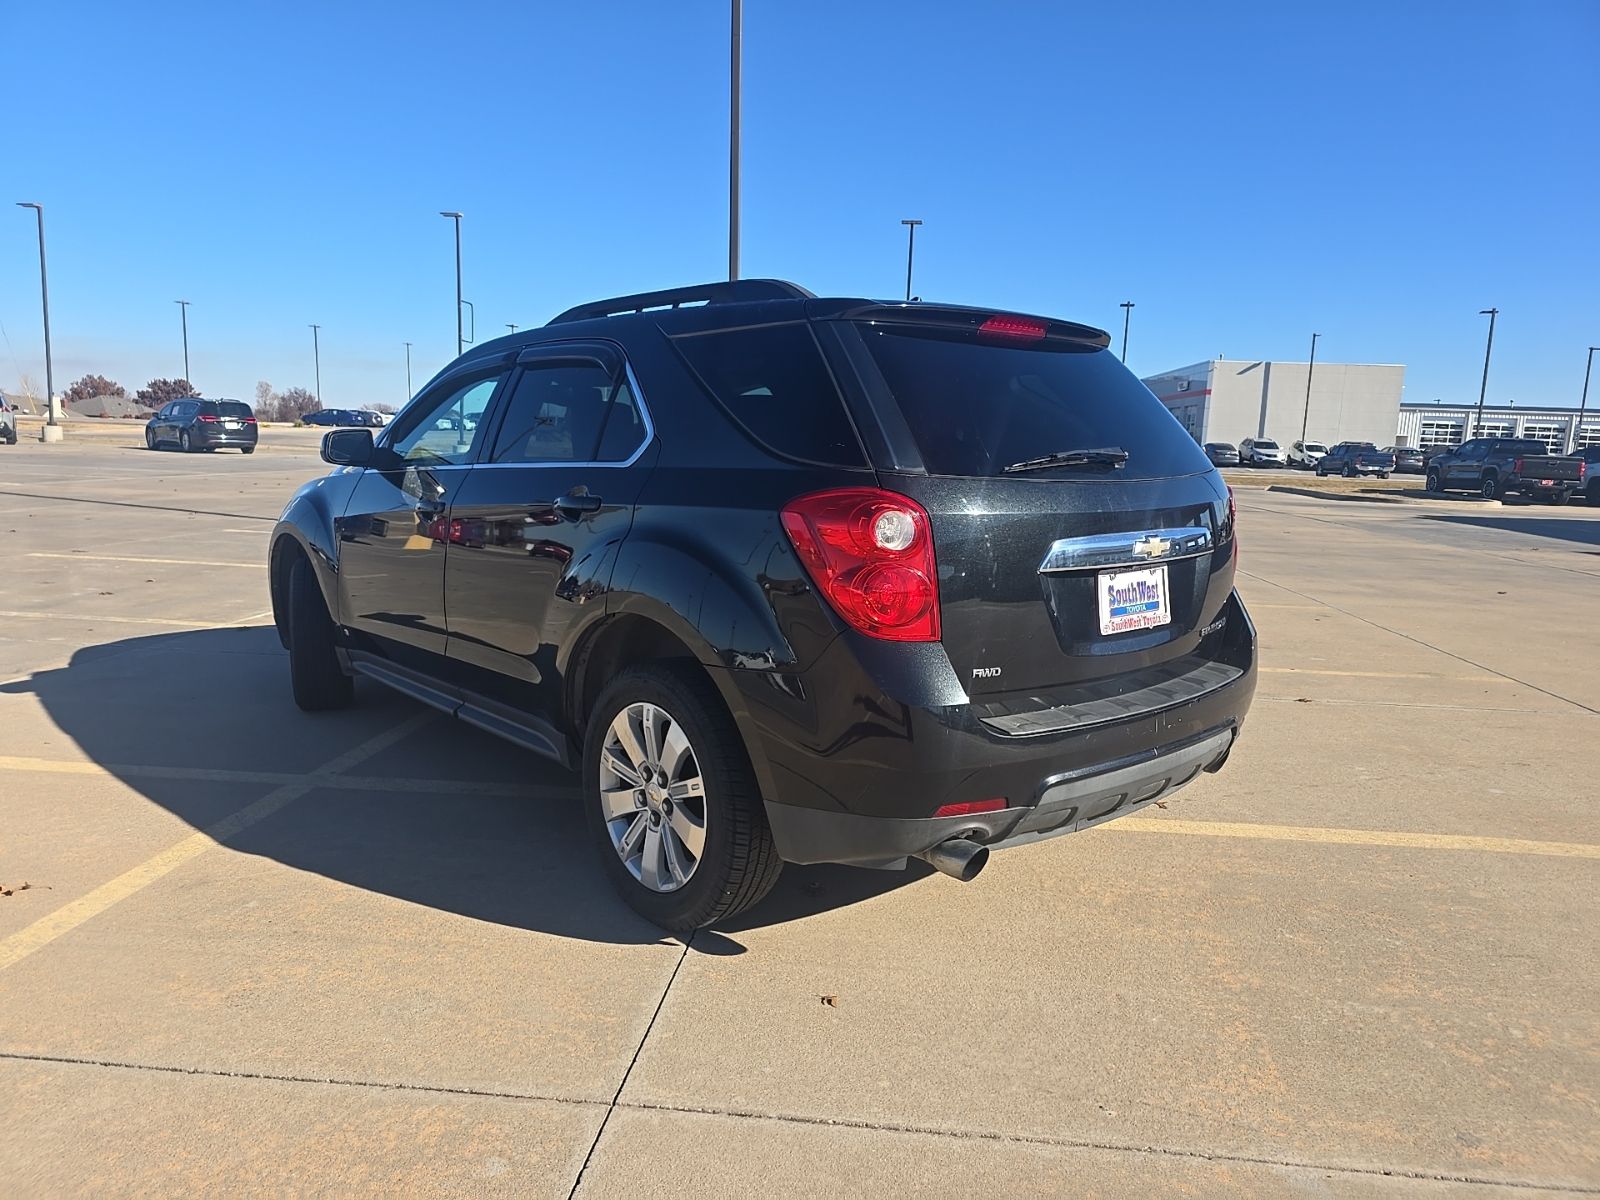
point(478, 711)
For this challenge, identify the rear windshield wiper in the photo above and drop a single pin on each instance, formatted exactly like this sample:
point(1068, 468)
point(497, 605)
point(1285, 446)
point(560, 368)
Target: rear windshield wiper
point(1110, 456)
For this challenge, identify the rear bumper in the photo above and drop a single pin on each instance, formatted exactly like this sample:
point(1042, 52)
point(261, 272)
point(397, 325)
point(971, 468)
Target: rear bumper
point(853, 775)
point(225, 437)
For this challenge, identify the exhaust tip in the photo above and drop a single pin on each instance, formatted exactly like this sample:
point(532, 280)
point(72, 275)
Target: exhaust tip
point(957, 858)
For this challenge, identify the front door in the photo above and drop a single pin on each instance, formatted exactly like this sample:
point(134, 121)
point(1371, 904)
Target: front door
point(536, 523)
point(1467, 463)
point(394, 533)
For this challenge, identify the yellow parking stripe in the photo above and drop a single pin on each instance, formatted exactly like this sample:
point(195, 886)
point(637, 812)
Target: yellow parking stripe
point(348, 783)
point(1354, 837)
point(69, 916)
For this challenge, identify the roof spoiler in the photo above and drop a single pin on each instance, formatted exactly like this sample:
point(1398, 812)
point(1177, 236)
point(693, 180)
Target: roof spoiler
point(733, 291)
point(983, 322)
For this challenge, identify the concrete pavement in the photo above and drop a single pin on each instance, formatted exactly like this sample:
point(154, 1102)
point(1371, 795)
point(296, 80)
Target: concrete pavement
point(369, 952)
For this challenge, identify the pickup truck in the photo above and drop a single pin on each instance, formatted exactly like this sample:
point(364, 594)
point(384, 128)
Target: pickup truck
point(1356, 458)
point(1493, 467)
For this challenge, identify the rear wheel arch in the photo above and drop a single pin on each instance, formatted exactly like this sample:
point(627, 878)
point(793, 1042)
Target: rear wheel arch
point(611, 647)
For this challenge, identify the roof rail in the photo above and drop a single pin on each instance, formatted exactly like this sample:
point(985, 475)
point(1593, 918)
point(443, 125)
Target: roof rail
point(733, 291)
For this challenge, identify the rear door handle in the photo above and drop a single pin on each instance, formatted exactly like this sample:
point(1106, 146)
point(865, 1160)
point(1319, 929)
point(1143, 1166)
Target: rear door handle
point(578, 500)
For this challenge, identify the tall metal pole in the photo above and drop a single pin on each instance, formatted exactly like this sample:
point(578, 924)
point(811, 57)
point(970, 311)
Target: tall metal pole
point(511, 327)
point(1311, 366)
point(734, 92)
point(1127, 314)
point(461, 343)
point(1491, 313)
point(316, 358)
point(1583, 405)
point(53, 421)
point(408, 372)
point(183, 306)
point(911, 250)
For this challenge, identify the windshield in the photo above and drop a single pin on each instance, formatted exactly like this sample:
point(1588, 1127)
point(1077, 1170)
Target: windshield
point(975, 408)
point(1315, 448)
point(1264, 444)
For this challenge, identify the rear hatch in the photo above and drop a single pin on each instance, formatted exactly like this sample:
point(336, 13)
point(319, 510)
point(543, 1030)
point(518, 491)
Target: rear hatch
point(1049, 573)
point(1554, 468)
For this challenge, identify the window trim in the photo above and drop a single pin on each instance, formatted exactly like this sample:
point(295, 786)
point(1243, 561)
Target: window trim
point(385, 442)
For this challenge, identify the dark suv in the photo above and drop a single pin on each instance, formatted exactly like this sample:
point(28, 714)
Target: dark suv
point(788, 579)
point(196, 424)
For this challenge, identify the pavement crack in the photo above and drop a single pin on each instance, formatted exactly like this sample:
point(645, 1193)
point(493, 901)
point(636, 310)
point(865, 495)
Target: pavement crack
point(637, 1050)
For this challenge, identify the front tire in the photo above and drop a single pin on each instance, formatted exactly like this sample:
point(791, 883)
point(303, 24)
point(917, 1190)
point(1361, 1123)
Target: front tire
point(672, 802)
point(149, 440)
point(1349, 471)
point(247, 449)
point(1489, 489)
point(1435, 481)
point(319, 682)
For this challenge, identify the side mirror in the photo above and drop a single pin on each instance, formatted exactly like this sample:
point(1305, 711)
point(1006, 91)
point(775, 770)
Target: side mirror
point(348, 447)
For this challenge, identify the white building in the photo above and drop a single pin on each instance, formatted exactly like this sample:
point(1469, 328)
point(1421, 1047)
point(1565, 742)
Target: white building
point(1228, 400)
point(1437, 425)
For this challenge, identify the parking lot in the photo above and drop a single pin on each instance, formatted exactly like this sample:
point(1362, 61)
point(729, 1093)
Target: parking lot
point(370, 952)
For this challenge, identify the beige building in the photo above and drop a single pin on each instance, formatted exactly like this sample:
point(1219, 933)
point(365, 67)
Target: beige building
point(1228, 400)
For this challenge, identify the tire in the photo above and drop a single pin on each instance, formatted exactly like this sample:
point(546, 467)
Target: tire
point(1349, 471)
point(1559, 499)
point(1383, 474)
point(1592, 495)
point(149, 440)
point(1489, 489)
point(738, 862)
point(319, 683)
point(184, 443)
point(1435, 481)
point(247, 449)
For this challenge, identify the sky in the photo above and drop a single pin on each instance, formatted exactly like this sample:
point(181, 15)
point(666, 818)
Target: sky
point(1246, 174)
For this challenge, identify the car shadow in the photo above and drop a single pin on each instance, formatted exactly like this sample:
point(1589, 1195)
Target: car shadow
point(201, 724)
point(1572, 529)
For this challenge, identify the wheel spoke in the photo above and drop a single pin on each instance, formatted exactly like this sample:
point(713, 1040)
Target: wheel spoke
point(693, 788)
point(679, 865)
point(689, 830)
point(620, 802)
point(622, 770)
point(650, 863)
point(674, 748)
point(628, 843)
point(650, 722)
point(628, 739)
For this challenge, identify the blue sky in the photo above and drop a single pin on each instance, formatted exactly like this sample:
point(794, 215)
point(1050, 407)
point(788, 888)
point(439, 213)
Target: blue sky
point(1246, 173)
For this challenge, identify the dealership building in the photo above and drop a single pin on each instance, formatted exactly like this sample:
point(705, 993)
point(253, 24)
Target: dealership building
point(1437, 425)
point(1228, 400)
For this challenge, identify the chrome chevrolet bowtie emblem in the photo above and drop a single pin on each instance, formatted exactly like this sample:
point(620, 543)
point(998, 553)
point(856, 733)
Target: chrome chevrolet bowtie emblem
point(1151, 547)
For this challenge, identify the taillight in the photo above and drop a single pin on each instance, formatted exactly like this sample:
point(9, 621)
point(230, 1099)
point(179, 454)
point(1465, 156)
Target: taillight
point(870, 552)
point(1233, 523)
point(1013, 329)
point(249, 420)
point(968, 807)
point(1516, 467)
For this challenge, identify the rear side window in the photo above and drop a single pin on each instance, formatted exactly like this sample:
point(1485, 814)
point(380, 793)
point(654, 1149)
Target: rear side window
point(772, 381)
point(1524, 446)
point(974, 408)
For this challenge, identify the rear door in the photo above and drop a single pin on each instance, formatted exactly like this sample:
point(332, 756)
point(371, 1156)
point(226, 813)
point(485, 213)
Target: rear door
point(395, 531)
point(1057, 574)
point(535, 526)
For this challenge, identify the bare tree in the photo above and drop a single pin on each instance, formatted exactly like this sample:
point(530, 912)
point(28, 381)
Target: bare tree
point(297, 402)
point(269, 405)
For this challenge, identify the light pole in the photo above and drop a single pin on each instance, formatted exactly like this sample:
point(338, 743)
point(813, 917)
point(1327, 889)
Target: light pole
point(911, 250)
point(316, 359)
point(1577, 425)
point(52, 431)
point(460, 341)
point(408, 372)
point(1491, 313)
point(511, 327)
point(735, 54)
point(1311, 366)
point(1127, 313)
point(183, 307)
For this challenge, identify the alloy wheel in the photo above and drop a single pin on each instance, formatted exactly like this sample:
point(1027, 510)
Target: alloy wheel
point(653, 797)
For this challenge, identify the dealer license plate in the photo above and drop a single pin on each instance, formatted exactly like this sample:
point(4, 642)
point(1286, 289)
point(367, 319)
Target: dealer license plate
point(230, 424)
point(1133, 600)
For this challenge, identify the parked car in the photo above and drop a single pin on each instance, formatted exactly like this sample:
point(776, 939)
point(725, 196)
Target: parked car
point(196, 424)
point(1591, 461)
point(1221, 454)
point(1408, 460)
point(1306, 455)
point(702, 571)
point(8, 423)
point(1493, 467)
point(344, 417)
point(1356, 458)
point(1262, 452)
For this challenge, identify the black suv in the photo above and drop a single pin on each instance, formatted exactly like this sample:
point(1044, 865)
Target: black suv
point(788, 578)
point(196, 424)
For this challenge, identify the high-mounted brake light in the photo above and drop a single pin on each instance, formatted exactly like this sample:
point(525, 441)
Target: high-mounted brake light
point(1013, 329)
point(203, 417)
point(870, 553)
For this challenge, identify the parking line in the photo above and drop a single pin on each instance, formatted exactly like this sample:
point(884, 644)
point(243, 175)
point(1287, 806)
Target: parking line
point(1355, 837)
point(112, 619)
point(349, 783)
point(1384, 675)
point(65, 919)
point(168, 562)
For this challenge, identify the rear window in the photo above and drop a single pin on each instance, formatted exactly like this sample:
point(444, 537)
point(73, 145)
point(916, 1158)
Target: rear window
point(225, 408)
point(772, 381)
point(975, 408)
point(1523, 446)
